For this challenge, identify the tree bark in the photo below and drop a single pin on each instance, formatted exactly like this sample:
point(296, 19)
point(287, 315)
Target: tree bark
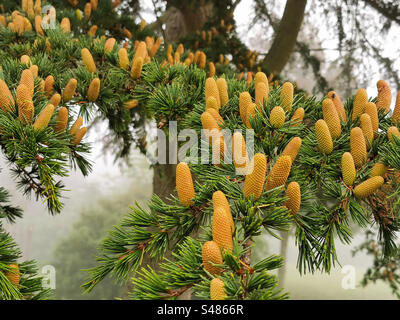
point(286, 36)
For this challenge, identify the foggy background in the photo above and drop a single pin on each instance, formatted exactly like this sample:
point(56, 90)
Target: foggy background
point(97, 202)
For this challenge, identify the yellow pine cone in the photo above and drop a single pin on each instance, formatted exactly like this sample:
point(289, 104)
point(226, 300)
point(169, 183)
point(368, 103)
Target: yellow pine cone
point(94, 4)
point(19, 24)
point(244, 102)
point(184, 184)
point(287, 96)
point(221, 229)
point(211, 103)
point(75, 127)
point(254, 182)
point(44, 117)
point(292, 148)
point(26, 60)
point(211, 90)
point(279, 172)
point(215, 115)
point(35, 70)
point(65, 25)
point(38, 25)
point(219, 200)
point(297, 117)
point(6, 98)
point(69, 90)
point(260, 77)
point(211, 69)
point(223, 90)
point(379, 169)
point(177, 57)
point(109, 45)
point(27, 24)
point(13, 275)
point(324, 139)
point(94, 90)
point(366, 127)
point(251, 111)
point(294, 194)
point(48, 85)
point(210, 123)
point(141, 51)
point(88, 60)
point(384, 96)
point(360, 100)
point(338, 105)
point(28, 80)
point(331, 118)
point(202, 60)
point(79, 14)
point(87, 11)
point(277, 117)
point(348, 169)
point(123, 58)
point(368, 187)
point(372, 111)
point(393, 131)
point(217, 289)
point(211, 254)
point(79, 136)
point(155, 47)
point(240, 157)
point(261, 93)
point(358, 147)
point(131, 104)
point(62, 120)
point(25, 104)
point(396, 111)
point(55, 99)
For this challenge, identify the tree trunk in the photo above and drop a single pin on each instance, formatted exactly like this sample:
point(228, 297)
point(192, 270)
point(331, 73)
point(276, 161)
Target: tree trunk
point(185, 20)
point(286, 36)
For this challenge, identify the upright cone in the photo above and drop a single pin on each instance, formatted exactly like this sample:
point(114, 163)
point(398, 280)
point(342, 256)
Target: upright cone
point(348, 169)
point(368, 187)
point(294, 194)
point(221, 229)
point(184, 184)
point(254, 182)
point(211, 254)
point(217, 289)
point(358, 147)
point(324, 139)
point(279, 172)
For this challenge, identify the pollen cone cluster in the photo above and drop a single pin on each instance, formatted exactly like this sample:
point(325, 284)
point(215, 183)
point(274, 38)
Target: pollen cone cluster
point(49, 85)
point(324, 139)
point(109, 45)
point(391, 132)
point(211, 253)
point(25, 104)
point(360, 100)
point(62, 120)
point(331, 118)
point(223, 90)
point(254, 181)
point(358, 147)
point(88, 60)
point(379, 169)
point(13, 275)
point(28, 80)
point(94, 90)
point(277, 117)
point(368, 187)
point(279, 172)
point(371, 110)
point(292, 148)
point(338, 105)
point(384, 96)
point(297, 117)
point(44, 117)
point(220, 201)
point(123, 58)
point(211, 90)
point(287, 96)
point(136, 70)
point(366, 127)
point(55, 99)
point(348, 169)
point(184, 184)
point(221, 229)
point(294, 194)
point(6, 98)
point(69, 90)
point(217, 289)
point(244, 102)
